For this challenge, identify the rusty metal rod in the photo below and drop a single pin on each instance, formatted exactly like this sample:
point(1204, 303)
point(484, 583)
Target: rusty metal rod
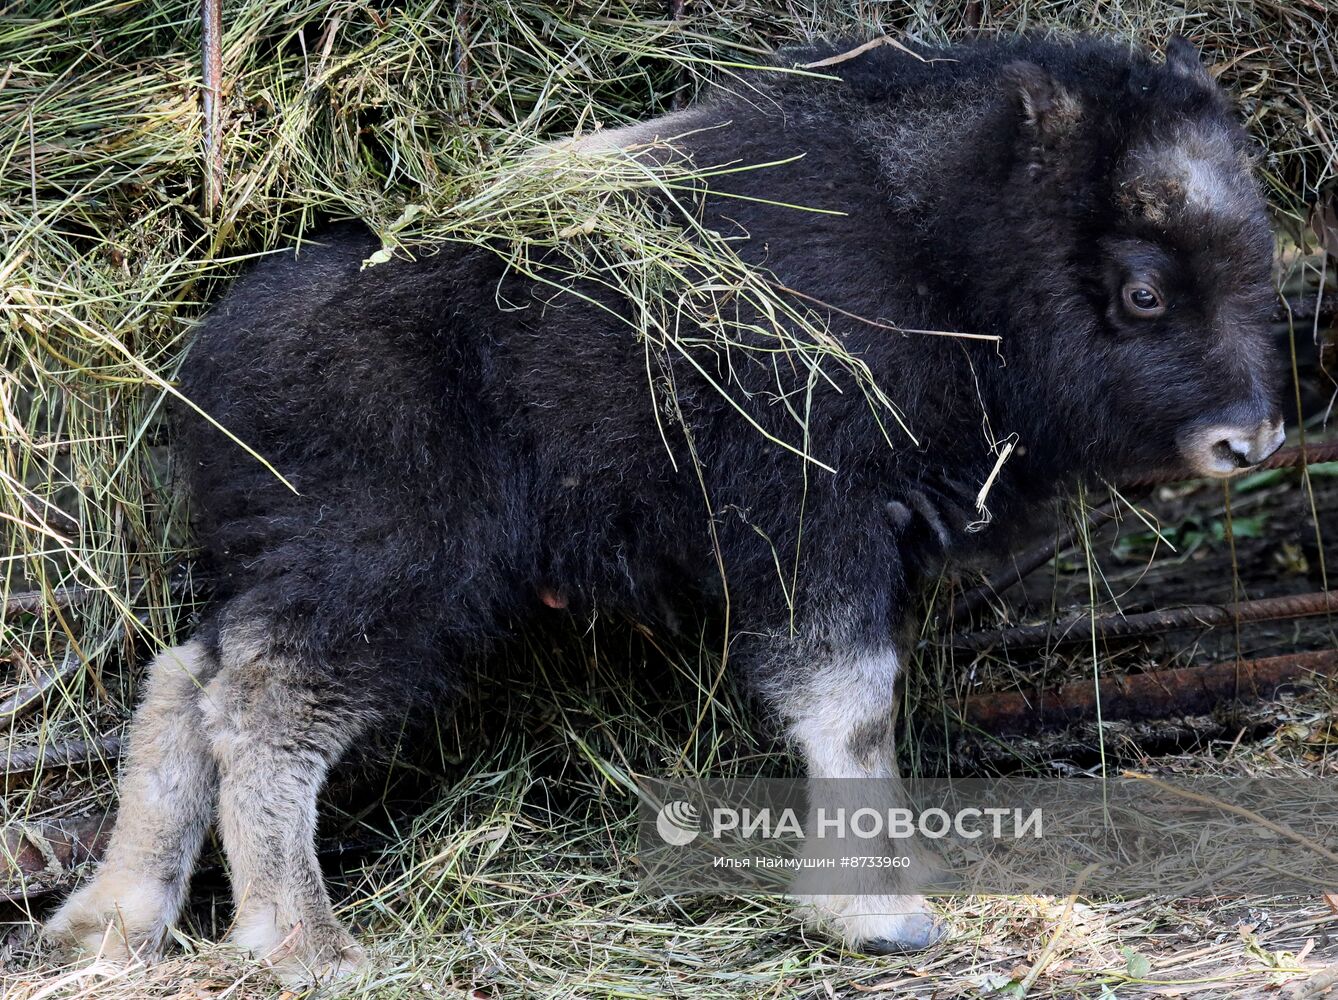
point(1080, 627)
point(1283, 458)
point(1311, 454)
point(57, 756)
point(1158, 694)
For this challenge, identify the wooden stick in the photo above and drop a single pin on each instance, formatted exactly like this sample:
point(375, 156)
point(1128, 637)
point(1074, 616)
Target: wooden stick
point(211, 23)
point(1280, 829)
point(48, 853)
point(32, 602)
point(1022, 566)
point(676, 100)
point(28, 697)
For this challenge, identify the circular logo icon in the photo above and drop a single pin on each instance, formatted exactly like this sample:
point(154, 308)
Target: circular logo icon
point(677, 823)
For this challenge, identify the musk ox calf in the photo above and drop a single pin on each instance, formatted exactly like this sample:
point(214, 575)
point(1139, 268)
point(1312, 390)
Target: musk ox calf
point(466, 447)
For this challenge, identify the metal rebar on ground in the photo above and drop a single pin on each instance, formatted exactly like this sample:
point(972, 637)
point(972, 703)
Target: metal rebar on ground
point(57, 756)
point(1157, 694)
point(1081, 627)
point(1283, 458)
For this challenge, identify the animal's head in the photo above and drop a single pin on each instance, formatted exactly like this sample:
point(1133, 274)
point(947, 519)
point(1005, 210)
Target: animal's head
point(1167, 363)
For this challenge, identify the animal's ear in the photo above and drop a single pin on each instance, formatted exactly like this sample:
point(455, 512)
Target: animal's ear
point(1182, 59)
point(1048, 108)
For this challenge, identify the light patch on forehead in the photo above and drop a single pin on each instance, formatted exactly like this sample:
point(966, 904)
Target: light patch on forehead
point(1208, 183)
point(1204, 173)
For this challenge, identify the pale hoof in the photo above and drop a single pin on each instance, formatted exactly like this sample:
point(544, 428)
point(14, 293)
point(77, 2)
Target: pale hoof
point(115, 916)
point(307, 969)
point(305, 955)
point(918, 932)
point(876, 925)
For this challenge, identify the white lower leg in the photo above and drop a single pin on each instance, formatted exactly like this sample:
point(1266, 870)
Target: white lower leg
point(274, 741)
point(166, 803)
point(842, 718)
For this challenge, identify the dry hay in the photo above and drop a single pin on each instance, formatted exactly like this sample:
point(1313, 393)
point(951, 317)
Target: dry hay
point(514, 880)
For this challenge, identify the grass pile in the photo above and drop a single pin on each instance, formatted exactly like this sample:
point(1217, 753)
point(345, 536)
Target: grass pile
point(420, 118)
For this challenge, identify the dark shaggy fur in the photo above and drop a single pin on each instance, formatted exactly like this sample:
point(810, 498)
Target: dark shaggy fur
point(454, 462)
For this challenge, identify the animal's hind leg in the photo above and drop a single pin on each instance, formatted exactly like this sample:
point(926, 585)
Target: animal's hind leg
point(276, 724)
point(167, 798)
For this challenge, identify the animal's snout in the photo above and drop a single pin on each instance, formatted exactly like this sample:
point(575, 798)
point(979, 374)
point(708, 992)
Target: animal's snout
point(1250, 447)
point(1222, 449)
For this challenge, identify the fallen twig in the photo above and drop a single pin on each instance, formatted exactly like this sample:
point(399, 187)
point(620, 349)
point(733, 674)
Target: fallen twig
point(679, 97)
point(1280, 829)
point(42, 859)
point(211, 23)
point(874, 43)
point(31, 602)
point(1306, 307)
point(460, 53)
point(28, 697)
point(37, 858)
point(1020, 567)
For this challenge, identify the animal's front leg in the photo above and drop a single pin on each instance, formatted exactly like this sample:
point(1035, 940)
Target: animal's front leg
point(839, 709)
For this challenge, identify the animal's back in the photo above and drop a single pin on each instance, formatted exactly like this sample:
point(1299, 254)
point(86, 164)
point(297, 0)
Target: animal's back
point(371, 392)
point(449, 458)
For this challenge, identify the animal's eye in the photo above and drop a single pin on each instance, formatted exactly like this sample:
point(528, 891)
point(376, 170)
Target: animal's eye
point(1142, 300)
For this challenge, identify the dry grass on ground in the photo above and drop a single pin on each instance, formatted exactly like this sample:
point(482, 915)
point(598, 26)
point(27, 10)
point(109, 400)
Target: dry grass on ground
point(494, 861)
